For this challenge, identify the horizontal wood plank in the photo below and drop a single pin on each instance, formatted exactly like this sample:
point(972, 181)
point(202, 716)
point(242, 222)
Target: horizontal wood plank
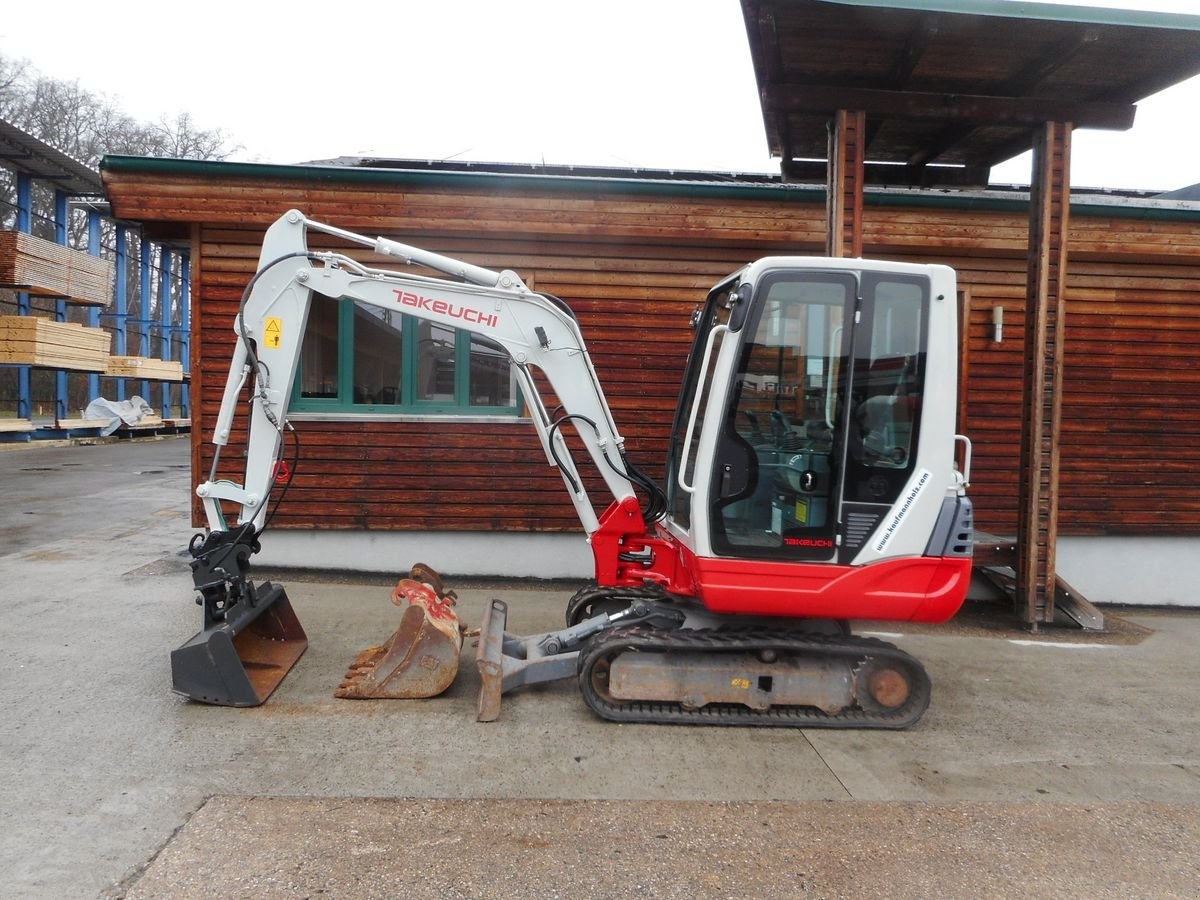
point(633, 265)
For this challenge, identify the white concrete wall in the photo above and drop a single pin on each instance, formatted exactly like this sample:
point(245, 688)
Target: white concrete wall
point(1132, 570)
point(1145, 571)
point(456, 553)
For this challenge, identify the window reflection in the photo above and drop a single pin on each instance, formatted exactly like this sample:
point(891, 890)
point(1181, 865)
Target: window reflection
point(378, 354)
point(397, 361)
point(319, 352)
point(491, 380)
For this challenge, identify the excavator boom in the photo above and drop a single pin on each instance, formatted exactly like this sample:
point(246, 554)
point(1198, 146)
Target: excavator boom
point(538, 334)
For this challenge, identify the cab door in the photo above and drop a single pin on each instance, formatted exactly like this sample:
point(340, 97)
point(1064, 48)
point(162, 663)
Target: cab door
point(800, 419)
point(711, 323)
point(883, 474)
point(776, 482)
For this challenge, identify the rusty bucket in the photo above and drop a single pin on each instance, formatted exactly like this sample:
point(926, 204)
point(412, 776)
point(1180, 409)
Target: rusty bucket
point(420, 659)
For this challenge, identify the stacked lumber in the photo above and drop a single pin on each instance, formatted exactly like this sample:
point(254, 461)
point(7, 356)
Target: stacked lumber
point(74, 424)
point(144, 367)
point(148, 422)
point(15, 425)
point(37, 266)
point(34, 341)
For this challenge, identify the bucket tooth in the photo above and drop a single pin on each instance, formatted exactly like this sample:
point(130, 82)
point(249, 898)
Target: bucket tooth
point(420, 658)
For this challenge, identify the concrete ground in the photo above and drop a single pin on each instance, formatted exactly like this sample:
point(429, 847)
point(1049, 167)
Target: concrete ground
point(1047, 765)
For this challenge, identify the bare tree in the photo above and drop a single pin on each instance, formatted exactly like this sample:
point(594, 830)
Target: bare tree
point(86, 126)
point(11, 73)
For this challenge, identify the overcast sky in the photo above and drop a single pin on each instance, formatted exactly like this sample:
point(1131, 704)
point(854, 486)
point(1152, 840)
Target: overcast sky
point(664, 84)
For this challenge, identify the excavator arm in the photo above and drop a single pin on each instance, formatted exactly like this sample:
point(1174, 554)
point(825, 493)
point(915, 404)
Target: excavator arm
point(538, 333)
point(251, 636)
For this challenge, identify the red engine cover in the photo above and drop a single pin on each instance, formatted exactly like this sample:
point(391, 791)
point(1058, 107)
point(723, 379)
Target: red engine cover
point(915, 589)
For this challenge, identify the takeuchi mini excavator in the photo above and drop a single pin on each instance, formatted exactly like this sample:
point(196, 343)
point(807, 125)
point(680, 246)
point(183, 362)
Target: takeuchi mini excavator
point(811, 480)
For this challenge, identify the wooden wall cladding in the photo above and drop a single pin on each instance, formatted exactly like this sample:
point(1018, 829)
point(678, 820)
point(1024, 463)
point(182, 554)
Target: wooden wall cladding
point(1130, 439)
point(634, 265)
point(632, 269)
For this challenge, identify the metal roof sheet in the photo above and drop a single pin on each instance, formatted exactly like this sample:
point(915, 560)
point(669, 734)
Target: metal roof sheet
point(22, 152)
point(1049, 12)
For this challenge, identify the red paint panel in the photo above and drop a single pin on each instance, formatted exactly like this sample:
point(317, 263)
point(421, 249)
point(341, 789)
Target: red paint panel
point(914, 589)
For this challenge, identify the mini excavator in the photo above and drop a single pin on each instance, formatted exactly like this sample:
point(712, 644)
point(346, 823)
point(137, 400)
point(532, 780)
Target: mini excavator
point(812, 479)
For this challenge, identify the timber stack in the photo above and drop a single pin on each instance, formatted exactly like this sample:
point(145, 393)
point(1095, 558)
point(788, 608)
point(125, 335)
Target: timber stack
point(144, 367)
point(34, 341)
point(46, 269)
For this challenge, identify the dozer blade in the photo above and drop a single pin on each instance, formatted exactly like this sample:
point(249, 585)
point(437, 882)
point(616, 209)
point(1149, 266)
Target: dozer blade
point(241, 660)
point(420, 659)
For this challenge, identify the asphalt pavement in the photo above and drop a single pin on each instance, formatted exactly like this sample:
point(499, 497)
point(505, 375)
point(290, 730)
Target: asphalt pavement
point(1053, 765)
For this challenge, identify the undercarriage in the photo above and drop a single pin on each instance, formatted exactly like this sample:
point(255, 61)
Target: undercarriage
point(642, 656)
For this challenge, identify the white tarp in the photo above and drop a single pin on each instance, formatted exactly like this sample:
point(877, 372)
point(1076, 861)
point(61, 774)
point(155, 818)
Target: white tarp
point(129, 411)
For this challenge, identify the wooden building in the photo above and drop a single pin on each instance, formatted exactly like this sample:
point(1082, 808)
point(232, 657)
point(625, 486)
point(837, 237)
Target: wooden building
point(460, 481)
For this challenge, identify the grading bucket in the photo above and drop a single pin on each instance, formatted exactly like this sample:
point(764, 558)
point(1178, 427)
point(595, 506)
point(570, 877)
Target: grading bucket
point(241, 659)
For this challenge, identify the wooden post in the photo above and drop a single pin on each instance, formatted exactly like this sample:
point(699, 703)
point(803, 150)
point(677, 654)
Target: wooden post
point(96, 248)
point(1037, 526)
point(165, 287)
point(185, 324)
point(844, 184)
point(24, 306)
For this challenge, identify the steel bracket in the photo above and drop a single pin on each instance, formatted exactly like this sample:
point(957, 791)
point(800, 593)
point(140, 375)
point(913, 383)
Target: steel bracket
point(506, 661)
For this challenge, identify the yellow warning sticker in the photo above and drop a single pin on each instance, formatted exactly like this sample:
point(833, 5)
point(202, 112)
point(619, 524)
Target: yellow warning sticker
point(802, 512)
point(273, 332)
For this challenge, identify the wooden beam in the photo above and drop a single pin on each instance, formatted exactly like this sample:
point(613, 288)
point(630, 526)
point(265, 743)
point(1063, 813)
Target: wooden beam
point(1020, 84)
point(910, 55)
point(844, 188)
point(1045, 344)
point(1050, 61)
point(946, 139)
point(906, 61)
point(946, 107)
point(1077, 607)
point(768, 39)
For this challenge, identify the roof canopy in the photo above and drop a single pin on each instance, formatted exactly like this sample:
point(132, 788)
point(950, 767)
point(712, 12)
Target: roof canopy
point(952, 87)
point(24, 153)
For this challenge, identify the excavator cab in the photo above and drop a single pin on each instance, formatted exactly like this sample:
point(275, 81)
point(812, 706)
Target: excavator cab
point(818, 402)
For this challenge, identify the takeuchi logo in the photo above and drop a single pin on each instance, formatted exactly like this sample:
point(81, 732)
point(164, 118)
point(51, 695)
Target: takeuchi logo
point(444, 308)
point(821, 543)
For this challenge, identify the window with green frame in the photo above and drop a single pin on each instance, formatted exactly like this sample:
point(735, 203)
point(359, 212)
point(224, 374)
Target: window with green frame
point(361, 358)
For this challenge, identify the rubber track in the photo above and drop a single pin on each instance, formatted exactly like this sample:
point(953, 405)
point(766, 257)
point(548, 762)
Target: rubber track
point(857, 649)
